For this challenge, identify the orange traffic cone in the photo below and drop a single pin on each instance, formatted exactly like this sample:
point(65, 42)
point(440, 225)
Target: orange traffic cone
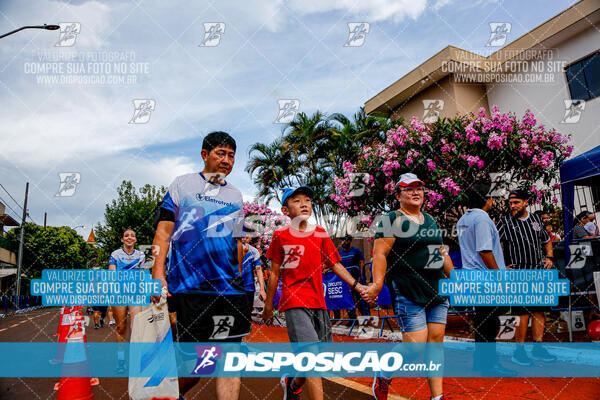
point(64, 324)
point(75, 363)
point(62, 312)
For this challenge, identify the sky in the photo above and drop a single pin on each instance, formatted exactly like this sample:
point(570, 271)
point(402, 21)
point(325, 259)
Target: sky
point(71, 108)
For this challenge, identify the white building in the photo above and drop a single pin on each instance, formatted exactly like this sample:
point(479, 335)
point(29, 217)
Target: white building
point(547, 70)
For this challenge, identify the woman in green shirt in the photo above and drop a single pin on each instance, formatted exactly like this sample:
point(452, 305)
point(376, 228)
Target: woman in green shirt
point(410, 254)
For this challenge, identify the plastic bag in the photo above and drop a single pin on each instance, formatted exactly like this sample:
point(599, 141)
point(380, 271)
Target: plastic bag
point(158, 360)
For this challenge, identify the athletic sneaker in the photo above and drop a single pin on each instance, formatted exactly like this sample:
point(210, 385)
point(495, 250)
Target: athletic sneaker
point(540, 353)
point(96, 326)
point(288, 393)
point(112, 322)
point(381, 387)
point(520, 357)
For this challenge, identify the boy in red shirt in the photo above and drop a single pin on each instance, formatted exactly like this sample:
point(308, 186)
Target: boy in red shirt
point(297, 253)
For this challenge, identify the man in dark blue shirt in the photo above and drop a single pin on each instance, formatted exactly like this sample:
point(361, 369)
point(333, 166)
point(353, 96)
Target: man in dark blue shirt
point(352, 259)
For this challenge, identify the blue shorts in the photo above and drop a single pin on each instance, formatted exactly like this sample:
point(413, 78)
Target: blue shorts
point(413, 317)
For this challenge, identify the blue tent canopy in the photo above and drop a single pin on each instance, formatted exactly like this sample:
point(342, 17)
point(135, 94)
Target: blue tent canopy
point(583, 170)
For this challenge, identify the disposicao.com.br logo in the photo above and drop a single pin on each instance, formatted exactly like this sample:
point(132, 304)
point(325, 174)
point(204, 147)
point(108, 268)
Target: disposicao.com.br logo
point(322, 362)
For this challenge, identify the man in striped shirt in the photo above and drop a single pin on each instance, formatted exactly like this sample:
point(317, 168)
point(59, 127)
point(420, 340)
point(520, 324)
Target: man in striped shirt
point(526, 245)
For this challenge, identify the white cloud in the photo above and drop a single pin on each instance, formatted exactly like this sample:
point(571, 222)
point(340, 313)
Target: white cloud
point(100, 178)
point(371, 11)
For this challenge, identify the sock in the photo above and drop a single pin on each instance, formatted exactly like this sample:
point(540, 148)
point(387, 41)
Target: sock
point(437, 397)
point(121, 355)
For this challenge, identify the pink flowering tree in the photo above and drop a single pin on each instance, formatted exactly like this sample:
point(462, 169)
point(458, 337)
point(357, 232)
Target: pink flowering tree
point(451, 155)
point(262, 222)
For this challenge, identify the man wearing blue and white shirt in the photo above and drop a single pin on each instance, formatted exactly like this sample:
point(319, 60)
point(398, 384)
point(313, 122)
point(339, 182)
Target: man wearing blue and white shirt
point(199, 221)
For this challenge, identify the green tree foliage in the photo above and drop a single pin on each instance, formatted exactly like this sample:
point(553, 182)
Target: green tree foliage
point(51, 248)
point(132, 209)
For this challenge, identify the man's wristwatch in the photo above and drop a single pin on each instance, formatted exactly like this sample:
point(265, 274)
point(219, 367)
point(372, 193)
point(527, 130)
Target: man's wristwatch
point(355, 283)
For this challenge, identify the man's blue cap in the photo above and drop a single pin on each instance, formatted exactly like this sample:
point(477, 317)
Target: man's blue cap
point(287, 192)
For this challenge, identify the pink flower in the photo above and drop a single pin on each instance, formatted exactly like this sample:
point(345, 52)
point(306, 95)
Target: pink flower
point(417, 125)
point(496, 141)
point(450, 186)
point(430, 164)
point(472, 134)
point(473, 160)
point(347, 166)
point(447, 147)
point(433, 198)
point(390, 186)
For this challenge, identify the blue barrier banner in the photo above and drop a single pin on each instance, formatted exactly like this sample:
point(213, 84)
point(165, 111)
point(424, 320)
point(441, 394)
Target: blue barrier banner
point(384, 298)
point(454, 359)
point(337, 293)
point(511, 287)
point(95, 287)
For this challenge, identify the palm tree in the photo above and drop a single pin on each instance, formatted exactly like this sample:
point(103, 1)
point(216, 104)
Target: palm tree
point(311, 152)
point(308, 138)
point(271, 168)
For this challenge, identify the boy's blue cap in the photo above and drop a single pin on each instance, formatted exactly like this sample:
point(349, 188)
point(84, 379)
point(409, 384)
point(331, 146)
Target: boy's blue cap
point(287, 192)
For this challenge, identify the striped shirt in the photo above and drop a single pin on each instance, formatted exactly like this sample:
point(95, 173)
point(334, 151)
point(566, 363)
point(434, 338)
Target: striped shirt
point(523, 241)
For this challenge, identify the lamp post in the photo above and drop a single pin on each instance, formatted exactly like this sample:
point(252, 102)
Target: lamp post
point(46, 27)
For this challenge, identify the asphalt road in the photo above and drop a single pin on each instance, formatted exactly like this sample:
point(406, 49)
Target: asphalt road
point(40, 326)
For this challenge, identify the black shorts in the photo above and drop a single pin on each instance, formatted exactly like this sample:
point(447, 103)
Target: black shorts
point(208, 318)
point(520, 310)
point(102, 309)
point(250, 299)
